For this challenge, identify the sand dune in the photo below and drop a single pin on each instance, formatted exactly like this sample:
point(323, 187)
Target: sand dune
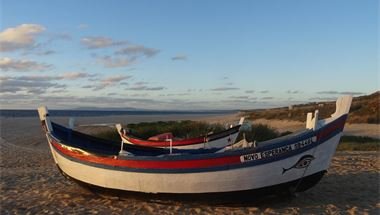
point(362, 129)
point(31, 183)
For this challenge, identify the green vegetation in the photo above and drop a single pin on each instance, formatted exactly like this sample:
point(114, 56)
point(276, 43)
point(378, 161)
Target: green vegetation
point(358, 143)
point(344, 146)
point(358, 139)
point(258, 132)
point(180, 129)
point(111, 134)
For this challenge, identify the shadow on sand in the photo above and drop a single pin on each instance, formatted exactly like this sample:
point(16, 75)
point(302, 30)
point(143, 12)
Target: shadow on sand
point(359, 189)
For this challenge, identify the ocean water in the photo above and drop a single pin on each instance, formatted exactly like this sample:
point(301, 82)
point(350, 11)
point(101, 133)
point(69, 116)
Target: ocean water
point(79, 113)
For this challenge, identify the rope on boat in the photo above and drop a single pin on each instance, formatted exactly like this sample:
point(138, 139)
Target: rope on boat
point(293, 191)
point(314, 127)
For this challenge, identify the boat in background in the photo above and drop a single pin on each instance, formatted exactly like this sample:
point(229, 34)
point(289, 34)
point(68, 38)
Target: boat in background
point(213, 140)
point(294, 162)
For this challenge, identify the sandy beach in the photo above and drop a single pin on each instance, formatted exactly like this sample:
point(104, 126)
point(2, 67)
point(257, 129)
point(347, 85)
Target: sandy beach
point(31, 183)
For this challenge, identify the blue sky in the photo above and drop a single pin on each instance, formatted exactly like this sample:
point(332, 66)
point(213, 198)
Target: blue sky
point(186, 54)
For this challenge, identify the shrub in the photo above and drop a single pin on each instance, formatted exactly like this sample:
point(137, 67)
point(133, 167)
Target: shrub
point(373, 120)
point(109, 135)
point(259, 132)
point(180, 129)
point(358, 139)
point(358, 143)
point(349, 146)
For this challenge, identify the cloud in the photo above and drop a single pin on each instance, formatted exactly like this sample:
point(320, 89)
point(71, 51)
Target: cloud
point(328, 92)
point(97, 101)
point(154, 88)
point(46, 52)
point(340, 93)
point(8, 64)
point(225, 89)
point(36, 84)
point(351, 93)
point(58, 36)
point(141, 83)
point(293, 92)
point(82, 26)
point(20, 37)
point(141, 88)
point(35, 78)
point(110, 62)
point(239, 97)
point(176, 94)
point(100, 42)
point(114, 79)
point(9, 89)
point(88, 86)
point(29, 100)
point(322, 98)
point(179, 57)
point(42, 48)
point(264, 91)
point(267, 98)
point(137, 51)
point(110, 81)
point(126, 55)
point(33, 85)
point(249, 91)
point(139, 95)
point(234, 102)
point(64, 76)
point(75, 75)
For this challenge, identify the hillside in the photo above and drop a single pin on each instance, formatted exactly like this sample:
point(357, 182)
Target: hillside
point(364, 109)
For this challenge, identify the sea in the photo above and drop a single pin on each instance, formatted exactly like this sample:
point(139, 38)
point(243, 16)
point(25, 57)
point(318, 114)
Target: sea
point(89, 113)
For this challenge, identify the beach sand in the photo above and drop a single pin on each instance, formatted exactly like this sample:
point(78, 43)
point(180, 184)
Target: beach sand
point(31, 183)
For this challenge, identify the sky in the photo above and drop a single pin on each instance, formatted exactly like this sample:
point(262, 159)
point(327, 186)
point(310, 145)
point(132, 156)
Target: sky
point(186, 55)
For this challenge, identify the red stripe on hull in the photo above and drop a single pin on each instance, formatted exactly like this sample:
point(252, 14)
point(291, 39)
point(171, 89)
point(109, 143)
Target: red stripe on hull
point(337, 125)
point(153, 143)
point(143, 164)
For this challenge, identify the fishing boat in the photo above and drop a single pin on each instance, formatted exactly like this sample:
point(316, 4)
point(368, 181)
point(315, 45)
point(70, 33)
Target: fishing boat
point(294, 162)
point(166, 140)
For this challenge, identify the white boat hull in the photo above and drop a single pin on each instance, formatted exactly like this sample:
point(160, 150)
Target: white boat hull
point(239, 179)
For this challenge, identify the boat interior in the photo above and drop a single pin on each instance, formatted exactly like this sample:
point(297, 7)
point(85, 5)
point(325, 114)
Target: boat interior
point(100, 146)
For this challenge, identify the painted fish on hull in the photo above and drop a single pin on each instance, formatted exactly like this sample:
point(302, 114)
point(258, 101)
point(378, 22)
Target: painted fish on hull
point(303, 162)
